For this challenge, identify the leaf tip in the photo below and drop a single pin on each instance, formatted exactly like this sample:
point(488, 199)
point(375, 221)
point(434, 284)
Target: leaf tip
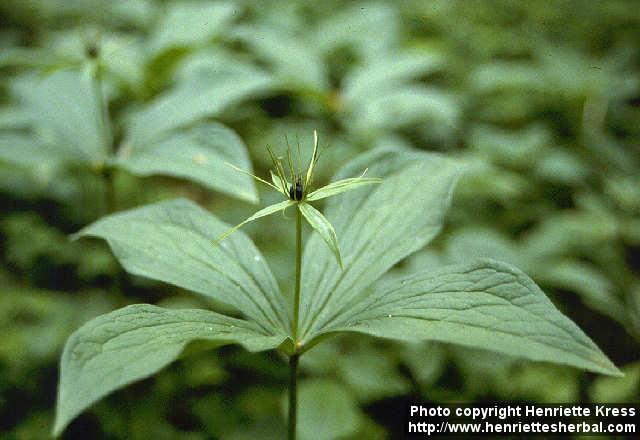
point(58, 427)
point(81, 233)
point(62, 418)
point(607, 367)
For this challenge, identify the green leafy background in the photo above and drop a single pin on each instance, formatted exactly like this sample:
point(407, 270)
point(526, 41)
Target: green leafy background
point(539, 100)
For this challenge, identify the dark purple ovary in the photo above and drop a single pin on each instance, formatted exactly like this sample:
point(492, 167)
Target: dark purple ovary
point(297, 193)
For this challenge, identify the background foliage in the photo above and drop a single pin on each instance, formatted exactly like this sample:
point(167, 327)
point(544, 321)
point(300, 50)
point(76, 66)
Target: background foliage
point(539, 99)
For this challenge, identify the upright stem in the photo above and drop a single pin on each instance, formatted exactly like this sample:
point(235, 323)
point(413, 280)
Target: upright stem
point(105, 127)
point(293, 395)
point(293, 360)
point(296, 303)
point(105, 134)
point(110, 191)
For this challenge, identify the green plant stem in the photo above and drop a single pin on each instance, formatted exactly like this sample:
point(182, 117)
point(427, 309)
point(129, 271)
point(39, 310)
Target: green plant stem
point(293, 360)
point(110, 204)
point(296, 302)
point(105, 127)
point(293, 395)
point(106, 137)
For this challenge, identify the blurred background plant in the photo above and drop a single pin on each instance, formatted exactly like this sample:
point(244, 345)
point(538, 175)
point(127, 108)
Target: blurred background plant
point(106, 105)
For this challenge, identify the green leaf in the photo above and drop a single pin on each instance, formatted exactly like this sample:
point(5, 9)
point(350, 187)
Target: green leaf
point(370, 372)
point(472, 243)
point(296, 61)
point(134, 342)
point(561, 167)
point(370, 30)
point(341, 186)
point(13, 117)
point(170, 241)
point(322, 227)
point(198, 96)
point(514, 148)
point(25, 151)
point(501, 76)
point(37, 341)
point(565, 231)
point(192, 23)
point(406, 106)
point(487, 304)
point(65, 109)
point(262, 213)
point(367, 368)
point(385, 74)
point(325, 411)
point(198, 154)
point(375, 228)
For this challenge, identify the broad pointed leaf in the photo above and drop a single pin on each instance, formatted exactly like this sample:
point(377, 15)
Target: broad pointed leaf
point(198, 154)
point(486, 304)
point(134, 342)
point(198, 96)
point(376, 228)
point(262, 213)
point(294, 59)
point(406, 106)
point(387, 73)
point(171, 241)
point(344, 185)
point(322, 227)
point(192, 23)
point(370, 31)
point(66, 112)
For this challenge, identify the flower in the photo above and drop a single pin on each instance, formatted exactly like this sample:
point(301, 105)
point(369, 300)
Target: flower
point(297, 192)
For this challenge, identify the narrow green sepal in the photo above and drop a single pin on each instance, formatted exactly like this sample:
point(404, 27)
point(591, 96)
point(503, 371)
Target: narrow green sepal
point(320, 223)
point(262, 213)
point(340, 186)
point(312, 161)
point(252, 175)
